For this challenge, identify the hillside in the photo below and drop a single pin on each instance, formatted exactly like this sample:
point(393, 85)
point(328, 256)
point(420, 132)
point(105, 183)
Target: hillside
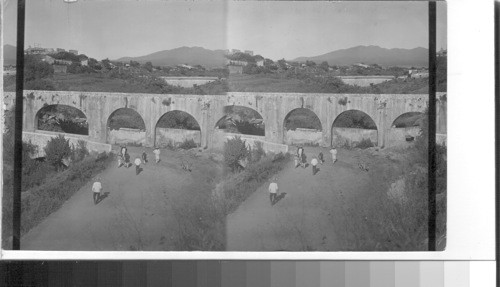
point(9, 55)
point(417, 57)
point(183, 55)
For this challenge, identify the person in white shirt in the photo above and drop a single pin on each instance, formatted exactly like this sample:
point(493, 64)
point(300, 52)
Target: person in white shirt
point(273, 190)
point(96, 190)
point(314, 163)
point(137, 162)
point(156, 151)
point(333, 152)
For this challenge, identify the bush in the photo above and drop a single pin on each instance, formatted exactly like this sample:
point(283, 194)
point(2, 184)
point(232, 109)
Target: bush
point(188, 144)
point(80, 151)
point(365, 143)
point(258, 152)
point(39, 202)
point(57, 150)
point(235, 150)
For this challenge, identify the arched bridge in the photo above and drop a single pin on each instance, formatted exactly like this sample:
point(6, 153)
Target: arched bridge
point(207, 110)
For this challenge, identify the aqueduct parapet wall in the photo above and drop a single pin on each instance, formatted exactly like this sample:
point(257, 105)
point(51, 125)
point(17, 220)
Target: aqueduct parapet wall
point(209, 109)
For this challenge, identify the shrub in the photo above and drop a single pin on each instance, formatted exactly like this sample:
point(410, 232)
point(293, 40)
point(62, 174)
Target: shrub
point(80, 151)
point(57, 150)
point(39, 202)
point(188, 144)
point(365, 143)
point(257, 152)
point(235, 150)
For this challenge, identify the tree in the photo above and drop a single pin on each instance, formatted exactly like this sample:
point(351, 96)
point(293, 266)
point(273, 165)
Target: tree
point(134, 64)
point(235, 150)
point(148, 66)
point(310, 63)
point(324, 66)
point(35, 68)
point(57, 150)
point(106, 63)
point(282, 64)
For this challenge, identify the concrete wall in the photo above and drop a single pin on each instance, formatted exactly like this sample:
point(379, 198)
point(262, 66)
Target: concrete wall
point(342, 136)
point(166, 135)
point(397, 136)
point(127, 136)
point(303, 136)
point(220, 137)
point(365, 81)
point(40, 139)
point(208, 109)
point(188, 82)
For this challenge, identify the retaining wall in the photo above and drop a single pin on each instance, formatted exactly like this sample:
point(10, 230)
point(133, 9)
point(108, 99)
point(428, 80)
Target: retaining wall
point(166, 135)
point(303, 136)
point(127, 136)
point(40, 139)
point(349, 136)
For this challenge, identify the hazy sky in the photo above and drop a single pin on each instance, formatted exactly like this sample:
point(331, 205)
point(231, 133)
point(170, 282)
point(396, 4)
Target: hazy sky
point(113, 29)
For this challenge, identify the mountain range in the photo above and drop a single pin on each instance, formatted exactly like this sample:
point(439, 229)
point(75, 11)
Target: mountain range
point(182, 55)
point(417, 57)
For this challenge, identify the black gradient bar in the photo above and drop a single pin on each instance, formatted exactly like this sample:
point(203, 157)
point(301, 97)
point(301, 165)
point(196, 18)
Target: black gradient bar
point(497, 134)
point(18, 128)
point(432, 128)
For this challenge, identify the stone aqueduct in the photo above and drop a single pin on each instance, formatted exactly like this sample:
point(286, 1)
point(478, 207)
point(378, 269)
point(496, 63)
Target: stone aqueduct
point(209, 109)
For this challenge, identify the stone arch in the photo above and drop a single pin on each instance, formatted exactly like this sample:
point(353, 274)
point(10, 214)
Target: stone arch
point(175, 127)
point(62, 118)
point(125, 126)
point(354, 128)
point(302, 126)
point(405, 128)
point(241, 119)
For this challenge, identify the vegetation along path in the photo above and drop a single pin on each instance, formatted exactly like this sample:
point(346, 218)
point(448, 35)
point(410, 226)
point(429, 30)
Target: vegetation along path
point(308, 216)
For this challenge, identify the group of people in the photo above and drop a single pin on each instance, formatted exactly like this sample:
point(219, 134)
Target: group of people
point(301, 159)
point(124, 159)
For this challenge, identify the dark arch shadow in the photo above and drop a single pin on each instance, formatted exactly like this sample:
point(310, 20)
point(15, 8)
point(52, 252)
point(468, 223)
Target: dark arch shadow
point(354, 128)
point(410, 119)
point(242, 120)
point(62, 118)
point(124, 118)
point(304, 119)
point(187, 126)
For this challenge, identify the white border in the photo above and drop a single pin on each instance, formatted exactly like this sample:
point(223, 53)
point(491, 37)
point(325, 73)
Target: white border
point(471, 186)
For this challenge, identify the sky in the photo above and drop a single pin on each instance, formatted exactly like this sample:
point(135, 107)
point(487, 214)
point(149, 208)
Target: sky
point(275, 29)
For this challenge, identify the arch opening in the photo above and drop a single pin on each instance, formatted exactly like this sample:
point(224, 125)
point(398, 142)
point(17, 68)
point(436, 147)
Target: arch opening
point(177, 129)
point(241, 120)
point(63, 119)
point(354, 128)
point(302, 126)
point(126, 126)
point(405, 128)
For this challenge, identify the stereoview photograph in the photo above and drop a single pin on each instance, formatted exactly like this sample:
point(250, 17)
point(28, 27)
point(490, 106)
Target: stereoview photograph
point(225, 126)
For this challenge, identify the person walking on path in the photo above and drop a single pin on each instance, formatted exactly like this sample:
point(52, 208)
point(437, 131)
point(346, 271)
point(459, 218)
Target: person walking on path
point(303, 159)
point(127, 160)
point(273, 190)
point(137, 162)
point(120, 159)
point(144, 156)
point(96, 190)
point(314, 163)
point(156, 151)
point(321, 158)
point(333, 152)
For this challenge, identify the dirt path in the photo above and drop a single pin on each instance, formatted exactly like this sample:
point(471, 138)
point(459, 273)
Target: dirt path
point(135, 215)
point(304, 218)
